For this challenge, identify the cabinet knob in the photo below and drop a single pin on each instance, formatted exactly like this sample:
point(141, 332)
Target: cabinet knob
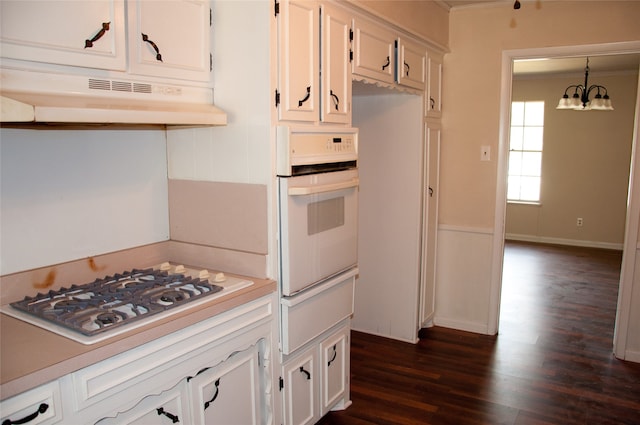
point(336, 100)
point(41, 409)
point(386, 64)
point(145, 38)
point(104, 29)
point(300, 102)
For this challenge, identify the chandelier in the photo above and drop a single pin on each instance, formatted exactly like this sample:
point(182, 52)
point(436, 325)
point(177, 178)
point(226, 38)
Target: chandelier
point(580, 100)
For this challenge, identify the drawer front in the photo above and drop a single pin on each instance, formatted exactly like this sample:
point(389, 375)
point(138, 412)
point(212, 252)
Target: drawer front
point(40, 405)
point(308, 314)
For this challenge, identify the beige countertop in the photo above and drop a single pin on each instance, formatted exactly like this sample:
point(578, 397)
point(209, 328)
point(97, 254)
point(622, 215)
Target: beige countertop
point(31, 356)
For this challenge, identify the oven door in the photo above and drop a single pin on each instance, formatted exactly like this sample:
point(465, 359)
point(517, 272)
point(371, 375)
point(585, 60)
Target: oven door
point(318, 227)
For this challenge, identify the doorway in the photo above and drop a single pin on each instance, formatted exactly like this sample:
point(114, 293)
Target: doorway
point(500, 226)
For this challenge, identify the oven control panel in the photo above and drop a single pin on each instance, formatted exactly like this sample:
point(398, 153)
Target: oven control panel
point(313, 146)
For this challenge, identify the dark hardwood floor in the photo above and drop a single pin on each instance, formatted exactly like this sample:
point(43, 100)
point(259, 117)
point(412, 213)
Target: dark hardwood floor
point(551, 362)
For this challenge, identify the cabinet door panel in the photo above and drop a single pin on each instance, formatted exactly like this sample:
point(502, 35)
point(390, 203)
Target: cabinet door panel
point(300, 393)
point(65, 32)
point(430, 222)
point(336, 66)
point(230, 392)
point(374, 51)
point(166, 408)
point(411, 64)
point(334, 361)
point(299, 55)
point(170, 38)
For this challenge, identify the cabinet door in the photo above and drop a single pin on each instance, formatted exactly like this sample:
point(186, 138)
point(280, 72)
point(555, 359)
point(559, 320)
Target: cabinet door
point(299, 55)
point(430, 222)
point(434, 85)
point(336, 65)
point(300, 392)
point(167, 408)
point(170, 38)
point(374, 50)
point(79, 33)
point(411, 64)
point(230, 393)
point(334, 364)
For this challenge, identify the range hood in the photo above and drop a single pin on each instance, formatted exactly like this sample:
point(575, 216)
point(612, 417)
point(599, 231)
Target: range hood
point(35, 97)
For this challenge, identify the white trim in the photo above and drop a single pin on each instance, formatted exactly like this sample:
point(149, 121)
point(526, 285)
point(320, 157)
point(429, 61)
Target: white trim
point(633, 211)
point(460, 325)
point(632, 356)
point(562, 241)
point(630, 252)
point(465, 229)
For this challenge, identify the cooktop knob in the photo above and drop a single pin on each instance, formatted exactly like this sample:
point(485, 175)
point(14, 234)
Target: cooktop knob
point(180, 269)
point(165, 266)
point(220, 277)
point(204, 274)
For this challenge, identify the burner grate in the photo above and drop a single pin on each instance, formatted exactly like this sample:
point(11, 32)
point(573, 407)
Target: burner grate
point(117, 300)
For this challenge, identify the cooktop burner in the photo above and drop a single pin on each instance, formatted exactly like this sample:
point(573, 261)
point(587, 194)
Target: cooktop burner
point(93, 311)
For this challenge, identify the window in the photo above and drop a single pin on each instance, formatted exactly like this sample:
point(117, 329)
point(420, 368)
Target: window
point(525, 151)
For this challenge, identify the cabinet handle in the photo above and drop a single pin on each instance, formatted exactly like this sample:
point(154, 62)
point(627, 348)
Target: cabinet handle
point(306, 373)
point(386, 64)
point(336, 100)
point(105, 28)
point(41, 409)
point(174, 418)
point(433, 103)
point(335, 354)
point(407, 68)
point(300, 102)
point(145, 38)
point(215, 395)
point(430, 192)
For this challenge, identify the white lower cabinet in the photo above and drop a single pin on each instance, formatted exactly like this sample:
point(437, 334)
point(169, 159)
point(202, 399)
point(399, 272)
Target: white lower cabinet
point(217, 371)
point(315, 379)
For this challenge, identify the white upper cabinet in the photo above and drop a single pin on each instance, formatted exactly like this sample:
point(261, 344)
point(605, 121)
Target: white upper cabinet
point(374, 50)
point(304, 26)
point(170, 38)
point(434, 85)
point(78, 33)
point(299, 56)
point(411, 64)
point(336, 65)
point(159, 38)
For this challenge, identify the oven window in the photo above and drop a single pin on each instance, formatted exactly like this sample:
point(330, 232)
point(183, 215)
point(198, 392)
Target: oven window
point(325, 215)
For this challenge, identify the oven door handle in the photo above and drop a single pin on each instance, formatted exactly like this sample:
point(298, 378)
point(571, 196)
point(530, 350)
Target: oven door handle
point(310, 190)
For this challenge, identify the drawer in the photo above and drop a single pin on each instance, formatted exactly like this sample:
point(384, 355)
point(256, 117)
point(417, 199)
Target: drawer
point(308, 314)
point(40, 406)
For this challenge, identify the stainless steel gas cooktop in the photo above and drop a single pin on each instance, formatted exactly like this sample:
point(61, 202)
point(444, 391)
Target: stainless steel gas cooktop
point(109, 306)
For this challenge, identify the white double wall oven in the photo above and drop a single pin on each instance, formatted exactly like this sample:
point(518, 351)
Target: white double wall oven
point(318, 237)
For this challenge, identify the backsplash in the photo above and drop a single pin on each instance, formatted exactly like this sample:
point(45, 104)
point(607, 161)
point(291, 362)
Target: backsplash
point(68, 193)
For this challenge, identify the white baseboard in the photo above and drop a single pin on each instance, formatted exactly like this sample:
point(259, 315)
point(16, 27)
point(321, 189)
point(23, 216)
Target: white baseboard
point(561, 241)
point(478, 328)
point(632, 356)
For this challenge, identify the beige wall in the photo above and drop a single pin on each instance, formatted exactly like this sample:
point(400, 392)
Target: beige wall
point(471, 93)
point(425, 18)
point(585, 165)
point(471, 118)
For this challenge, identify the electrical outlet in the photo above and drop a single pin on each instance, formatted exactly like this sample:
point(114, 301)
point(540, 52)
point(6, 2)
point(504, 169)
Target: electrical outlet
point(579, 222)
